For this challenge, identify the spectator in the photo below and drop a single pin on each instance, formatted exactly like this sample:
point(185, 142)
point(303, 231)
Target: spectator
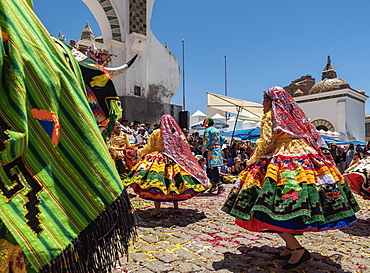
point(349, 154)
point(186, 133)
point(141, 136)
point(355, 159)
point(341, 159)
point(197, 143)
point(233, 151)
point(225, 152)
point(367, 147)
point(135, 126)
point(147, 128)
point(243, 157)
point(334, 152)
point(203, 162)
point(224, 169)
point(128, 131)
point(237, 167)
point(249, 151)
point(359, 150)
point(225, 173)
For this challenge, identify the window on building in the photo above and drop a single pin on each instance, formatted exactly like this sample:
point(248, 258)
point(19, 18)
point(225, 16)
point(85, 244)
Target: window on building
point(137, 90)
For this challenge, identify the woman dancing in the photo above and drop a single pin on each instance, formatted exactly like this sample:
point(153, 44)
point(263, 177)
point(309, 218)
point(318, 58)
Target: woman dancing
point(289, 186)
point(166, 170)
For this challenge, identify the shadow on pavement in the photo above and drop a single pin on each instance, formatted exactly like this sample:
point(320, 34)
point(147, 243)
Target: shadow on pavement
point(168, 217)
point(262, 259)
point(359, 228)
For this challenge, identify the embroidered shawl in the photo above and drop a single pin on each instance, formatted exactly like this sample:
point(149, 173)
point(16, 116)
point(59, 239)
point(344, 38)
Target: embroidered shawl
point(177, 148)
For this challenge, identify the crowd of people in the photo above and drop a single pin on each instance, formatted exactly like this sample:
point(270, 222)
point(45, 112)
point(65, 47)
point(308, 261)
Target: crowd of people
point(130, 136)
point(344, 157)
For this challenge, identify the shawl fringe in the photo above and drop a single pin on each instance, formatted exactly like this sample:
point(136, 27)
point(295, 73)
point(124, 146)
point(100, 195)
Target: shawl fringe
point(101, 244)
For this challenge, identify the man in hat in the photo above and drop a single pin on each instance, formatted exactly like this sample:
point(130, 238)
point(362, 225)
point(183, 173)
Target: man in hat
point(127, 130)
point(189, 138)
point(141, 136)
point(212, 143)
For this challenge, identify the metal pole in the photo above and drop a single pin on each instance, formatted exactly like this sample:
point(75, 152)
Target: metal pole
point(183, 75)
point(225, 83)
point(236, 120)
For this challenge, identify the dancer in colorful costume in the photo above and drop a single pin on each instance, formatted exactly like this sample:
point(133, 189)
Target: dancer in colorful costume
point(289, 186)
point(166, 170)
point(63, 206)
point(358, 177)
point(122, 152)
point(212, 143)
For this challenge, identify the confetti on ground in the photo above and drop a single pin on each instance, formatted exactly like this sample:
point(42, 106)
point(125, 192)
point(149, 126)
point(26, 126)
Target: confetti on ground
point(204, 239)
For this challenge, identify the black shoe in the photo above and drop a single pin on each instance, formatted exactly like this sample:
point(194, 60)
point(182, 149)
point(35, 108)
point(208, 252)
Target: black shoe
point(283, 257)
point(305, 257)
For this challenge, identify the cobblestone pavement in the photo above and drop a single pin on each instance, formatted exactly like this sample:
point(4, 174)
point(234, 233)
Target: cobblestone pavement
point(205, 239)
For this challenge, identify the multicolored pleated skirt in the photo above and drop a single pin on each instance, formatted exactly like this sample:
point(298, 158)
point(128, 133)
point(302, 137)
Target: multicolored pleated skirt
point(157, 177)
point(358, 178)
point(294, 191)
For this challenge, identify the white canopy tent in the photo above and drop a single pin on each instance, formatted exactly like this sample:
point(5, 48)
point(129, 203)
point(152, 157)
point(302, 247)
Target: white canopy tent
point(250, 110)
point(197, 117)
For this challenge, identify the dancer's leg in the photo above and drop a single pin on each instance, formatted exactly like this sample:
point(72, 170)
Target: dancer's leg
point(292, 243)
point(157, 208)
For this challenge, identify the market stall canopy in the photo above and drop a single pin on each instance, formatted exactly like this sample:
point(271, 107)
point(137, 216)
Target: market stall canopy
point(250, 110)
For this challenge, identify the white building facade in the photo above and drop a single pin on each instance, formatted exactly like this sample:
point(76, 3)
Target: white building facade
point(147, 88)
point(341, 111)
point(332, 105)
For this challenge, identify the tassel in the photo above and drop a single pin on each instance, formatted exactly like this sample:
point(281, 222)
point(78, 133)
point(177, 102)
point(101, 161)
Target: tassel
point(101, 244)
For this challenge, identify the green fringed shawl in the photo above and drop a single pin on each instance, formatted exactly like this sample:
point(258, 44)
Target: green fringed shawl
point(62, 199)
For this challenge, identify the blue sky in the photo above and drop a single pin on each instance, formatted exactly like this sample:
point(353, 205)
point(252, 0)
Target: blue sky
point(266, 42)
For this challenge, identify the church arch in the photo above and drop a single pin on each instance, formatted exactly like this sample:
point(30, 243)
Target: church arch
point(107, 18)
point(322, 124)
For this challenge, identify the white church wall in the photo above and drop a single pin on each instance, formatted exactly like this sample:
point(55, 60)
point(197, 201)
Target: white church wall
point(355, 120)
point(320, 110)
point(340, 108)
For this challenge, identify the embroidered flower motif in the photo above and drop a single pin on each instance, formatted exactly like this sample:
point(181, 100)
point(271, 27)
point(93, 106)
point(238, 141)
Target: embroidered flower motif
point(291, 193)
point(291, 183)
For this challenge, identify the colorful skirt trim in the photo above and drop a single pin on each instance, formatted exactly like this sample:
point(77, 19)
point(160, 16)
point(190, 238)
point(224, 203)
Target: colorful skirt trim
point(292, 192)
point(358, 179)
point(158, 178)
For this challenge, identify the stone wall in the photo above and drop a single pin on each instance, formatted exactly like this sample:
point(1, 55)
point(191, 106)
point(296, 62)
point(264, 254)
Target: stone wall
point(143, 110)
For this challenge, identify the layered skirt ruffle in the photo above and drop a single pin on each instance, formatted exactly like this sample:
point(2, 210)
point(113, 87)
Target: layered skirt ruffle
point(294, 191)
point(358, 178)
point(158, 178)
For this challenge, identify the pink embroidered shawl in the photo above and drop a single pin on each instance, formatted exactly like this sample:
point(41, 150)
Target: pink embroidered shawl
point(177, 148)
point(290, 118)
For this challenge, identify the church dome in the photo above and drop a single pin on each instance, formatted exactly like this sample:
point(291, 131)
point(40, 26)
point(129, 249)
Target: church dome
point(330, 81)
point(329, 85)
